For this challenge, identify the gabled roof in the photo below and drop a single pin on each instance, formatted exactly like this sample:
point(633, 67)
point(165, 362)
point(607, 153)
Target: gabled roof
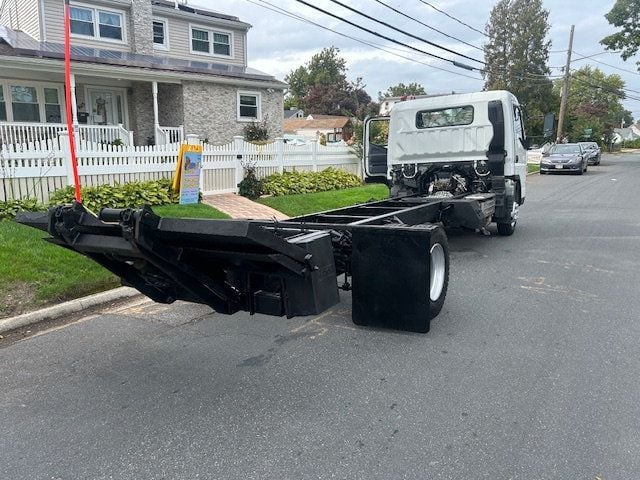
point(318, 122)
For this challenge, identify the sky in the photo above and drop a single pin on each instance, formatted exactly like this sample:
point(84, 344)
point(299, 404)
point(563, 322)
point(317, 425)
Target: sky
point(277, 43)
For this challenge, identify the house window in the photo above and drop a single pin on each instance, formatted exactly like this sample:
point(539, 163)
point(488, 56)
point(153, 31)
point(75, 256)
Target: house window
point(3, 106)
point(82, 21)
point(52, 110)
point(248, 106)
point(103, 24)
point(24, 103)
point(160, 33)
point(211, 42)
point(200, 40)
point(221, 44)
point(110, 25)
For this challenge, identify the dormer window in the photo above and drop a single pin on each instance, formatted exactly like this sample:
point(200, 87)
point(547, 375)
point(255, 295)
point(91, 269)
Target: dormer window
point(212, 42)
point(96, 23)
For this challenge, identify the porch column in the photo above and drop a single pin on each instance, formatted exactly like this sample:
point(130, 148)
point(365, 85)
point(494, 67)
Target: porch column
point(156, 122)
point(74, 103)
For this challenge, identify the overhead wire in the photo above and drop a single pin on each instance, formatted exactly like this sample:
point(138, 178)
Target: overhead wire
point(582, 57)
point(454, 18)
point(429, 26)
point(399, 30)
point(390, 39)
point(274, 8)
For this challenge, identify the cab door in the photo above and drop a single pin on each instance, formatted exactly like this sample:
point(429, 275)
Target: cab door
point(520, 148)
point(375, 143)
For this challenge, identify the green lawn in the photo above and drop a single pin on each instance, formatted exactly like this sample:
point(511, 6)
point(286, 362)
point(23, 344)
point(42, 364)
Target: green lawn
point(34, 273)
point(533, 167)
point(294, 205)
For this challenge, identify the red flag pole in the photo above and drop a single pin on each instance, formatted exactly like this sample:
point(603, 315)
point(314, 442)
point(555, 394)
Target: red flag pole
point(67, 91)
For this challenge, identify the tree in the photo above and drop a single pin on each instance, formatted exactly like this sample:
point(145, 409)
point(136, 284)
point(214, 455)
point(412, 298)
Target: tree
point(625, 14)
point(594, 103)
point(321, 86)
point(517, 54)
point(401, 90)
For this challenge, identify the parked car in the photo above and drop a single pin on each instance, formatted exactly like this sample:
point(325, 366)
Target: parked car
point(592, 152)
point(564, 157)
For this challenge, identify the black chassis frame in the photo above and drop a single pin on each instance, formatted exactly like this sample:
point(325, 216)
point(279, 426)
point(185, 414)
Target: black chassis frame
point(275, 267)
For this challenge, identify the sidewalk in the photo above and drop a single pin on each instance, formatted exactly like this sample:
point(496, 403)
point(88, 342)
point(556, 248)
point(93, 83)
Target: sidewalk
point(237, 206)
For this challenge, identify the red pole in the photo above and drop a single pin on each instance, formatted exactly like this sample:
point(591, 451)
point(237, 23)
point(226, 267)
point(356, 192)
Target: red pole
point(67, 91)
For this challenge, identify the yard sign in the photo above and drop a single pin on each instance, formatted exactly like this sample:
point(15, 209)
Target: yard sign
point(188, 173)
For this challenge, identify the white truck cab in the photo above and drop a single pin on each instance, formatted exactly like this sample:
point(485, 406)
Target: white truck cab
point(452, 146)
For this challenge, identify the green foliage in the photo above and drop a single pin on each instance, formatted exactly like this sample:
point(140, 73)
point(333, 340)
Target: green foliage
point(321, 86)
point(296, 182)
point(10, 208)
point(631, 143)
point(250, 186)
point(256, 131)
point(517, 56)
point(323, 139)
point(401, 90)
point(625, 15)
point(594, 102)
point(127, 195)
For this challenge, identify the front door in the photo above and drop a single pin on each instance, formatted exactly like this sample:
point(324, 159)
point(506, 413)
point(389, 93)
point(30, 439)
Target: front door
point(106, 107)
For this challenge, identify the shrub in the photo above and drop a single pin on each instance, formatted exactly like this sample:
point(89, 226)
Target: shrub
point(9, 208)
point(256, 131)
point(289, 183)
point(127, 195)
point(250, 186)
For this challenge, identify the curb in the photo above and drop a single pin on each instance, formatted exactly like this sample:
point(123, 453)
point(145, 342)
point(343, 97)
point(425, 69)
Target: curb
point(66, 308)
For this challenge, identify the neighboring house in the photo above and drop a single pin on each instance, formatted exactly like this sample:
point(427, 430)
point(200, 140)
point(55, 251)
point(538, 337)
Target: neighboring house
point(152, 67)
point(293, 113)
point(335, 128)
point(625, 134)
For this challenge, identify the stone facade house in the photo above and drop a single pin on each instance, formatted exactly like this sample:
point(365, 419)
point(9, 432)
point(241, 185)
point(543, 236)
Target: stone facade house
point(143, 71)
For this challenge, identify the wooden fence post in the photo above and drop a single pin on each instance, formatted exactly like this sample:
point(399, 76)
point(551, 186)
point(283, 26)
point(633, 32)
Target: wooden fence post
point(314, 155)
point(238, 151)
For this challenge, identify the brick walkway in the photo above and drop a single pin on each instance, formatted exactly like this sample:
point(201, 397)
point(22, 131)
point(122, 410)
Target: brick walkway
point(237, 206)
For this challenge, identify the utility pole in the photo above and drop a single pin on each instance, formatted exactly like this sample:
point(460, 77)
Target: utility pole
point(565, 89)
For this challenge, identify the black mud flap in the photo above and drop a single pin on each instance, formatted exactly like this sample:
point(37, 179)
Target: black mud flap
point(391, 277)
point(226, 264)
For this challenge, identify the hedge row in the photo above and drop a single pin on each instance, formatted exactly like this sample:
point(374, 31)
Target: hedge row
point(296, 182)
point(128, 195)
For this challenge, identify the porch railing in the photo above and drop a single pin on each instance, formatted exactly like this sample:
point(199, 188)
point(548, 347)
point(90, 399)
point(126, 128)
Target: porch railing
point(166, 135)
point(25, 133)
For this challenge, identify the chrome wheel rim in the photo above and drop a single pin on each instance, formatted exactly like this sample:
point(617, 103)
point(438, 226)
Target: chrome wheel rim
point(438, 268)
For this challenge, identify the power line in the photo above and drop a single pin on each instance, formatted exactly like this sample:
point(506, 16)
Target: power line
point(404, 32)
point(398, 42)
point(602, 63)
point(377, 46)
point(428, 26)
point(454, 18)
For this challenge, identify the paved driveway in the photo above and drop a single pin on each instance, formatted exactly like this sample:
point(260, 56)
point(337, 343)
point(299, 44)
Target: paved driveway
point(531, 371)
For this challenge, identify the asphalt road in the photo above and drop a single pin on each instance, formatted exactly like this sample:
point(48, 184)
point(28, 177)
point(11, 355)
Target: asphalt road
point(530, 372)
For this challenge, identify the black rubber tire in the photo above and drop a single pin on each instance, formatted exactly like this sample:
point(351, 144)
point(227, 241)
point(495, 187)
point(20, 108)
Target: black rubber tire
point(581, 169)
point(506, 229)
point(435, 306)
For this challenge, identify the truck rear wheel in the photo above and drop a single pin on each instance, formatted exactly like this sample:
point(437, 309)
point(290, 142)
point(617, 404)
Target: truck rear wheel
point(438, 272)
point(400, 276)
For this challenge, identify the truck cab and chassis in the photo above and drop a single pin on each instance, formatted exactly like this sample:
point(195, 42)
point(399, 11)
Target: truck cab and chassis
point(454, 161)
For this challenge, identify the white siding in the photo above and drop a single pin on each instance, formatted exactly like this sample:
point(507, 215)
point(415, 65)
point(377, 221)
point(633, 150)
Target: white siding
point(54, 27)
point(22, 15)
point(180, 41)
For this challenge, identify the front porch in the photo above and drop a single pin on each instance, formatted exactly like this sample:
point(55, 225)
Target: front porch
point(104, 110)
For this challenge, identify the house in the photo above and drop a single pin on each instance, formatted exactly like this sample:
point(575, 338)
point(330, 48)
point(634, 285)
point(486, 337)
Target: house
point(334, 128)
point(293, 112)
point(143, 71)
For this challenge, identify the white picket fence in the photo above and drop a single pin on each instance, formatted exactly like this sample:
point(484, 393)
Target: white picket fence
point(37, 169)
